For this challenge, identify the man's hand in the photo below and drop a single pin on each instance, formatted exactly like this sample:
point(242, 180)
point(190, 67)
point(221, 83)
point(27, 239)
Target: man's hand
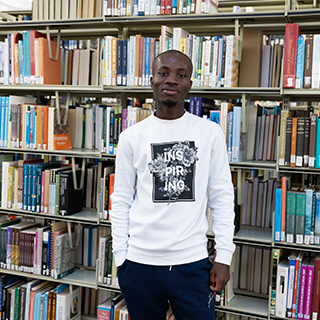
point(219, 276)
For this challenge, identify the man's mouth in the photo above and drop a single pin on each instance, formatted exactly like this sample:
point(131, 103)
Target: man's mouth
point(170, 92)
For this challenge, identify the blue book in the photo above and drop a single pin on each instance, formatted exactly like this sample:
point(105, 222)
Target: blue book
point(308, 216)
point(300, 62)
point(25, 186)
point(28, 118)
point(135, 7)
point(3, 117)
point(124, 62)
point(317, 220)
point(119, 62)
point(221, 44)
point(277, 215)
point(236, 134)
point(203, 106)
point(45, 306)
point(6, 122)
point(290, 289)
point(147, 71)
point(230, 129)
point(192, 104)
point(317, 151)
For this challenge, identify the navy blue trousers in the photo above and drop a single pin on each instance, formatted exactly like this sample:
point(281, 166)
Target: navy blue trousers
point(148, 290)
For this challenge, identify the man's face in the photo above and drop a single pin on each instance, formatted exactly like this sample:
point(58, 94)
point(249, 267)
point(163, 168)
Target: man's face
point(171, 79)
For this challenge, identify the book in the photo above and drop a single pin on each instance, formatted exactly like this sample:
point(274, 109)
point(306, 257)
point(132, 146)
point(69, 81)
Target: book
point(290, 54)
point(282, 287)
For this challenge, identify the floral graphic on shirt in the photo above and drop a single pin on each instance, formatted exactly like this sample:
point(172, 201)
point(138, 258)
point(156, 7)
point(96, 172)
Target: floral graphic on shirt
point(173, 168)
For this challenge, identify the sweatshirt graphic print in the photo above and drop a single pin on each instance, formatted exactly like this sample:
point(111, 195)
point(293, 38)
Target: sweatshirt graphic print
point(173, 167)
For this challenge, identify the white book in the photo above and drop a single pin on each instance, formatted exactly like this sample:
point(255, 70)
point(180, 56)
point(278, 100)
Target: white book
point(228, 61)
point(102, 258)
point(88, 142)
point(177, 34)
point(207, 56)
point(35, 6)
point(51, 9)
point(315, 84)
point(57, 11)
point(84, 67)
point(46, 10)
point(75, 68)
point(65, 9)
point(282, 287)
point(40, 9)
point(73, 9)
point(51, 115)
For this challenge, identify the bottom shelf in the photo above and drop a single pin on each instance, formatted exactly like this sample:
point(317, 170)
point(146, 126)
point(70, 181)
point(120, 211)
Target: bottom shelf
point(247, 306)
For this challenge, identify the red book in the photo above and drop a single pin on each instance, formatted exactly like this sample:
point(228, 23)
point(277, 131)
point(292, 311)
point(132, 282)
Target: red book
point(290, 55)
point(283, 210)
point(111, 187)
point(168, 6)
point(315, 305)
point(33, 35)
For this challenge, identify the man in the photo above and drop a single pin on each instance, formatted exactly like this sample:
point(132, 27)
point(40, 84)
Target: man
point(165, 166)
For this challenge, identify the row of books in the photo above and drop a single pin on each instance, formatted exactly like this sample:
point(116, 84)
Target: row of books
point(25, 59)
point(158, 7)
point(48, 187)
point(251, 269)
point(80, 64)
point(107, 271)
point(66, 9)
point(258, 201)
point(301, 59)
point(298, 146)
point(295, 285)
point(30, 248)
point(297, 217)
point(38, 299)
point(113, 308)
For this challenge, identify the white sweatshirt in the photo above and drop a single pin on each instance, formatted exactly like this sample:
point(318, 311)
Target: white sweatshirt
point(164, 169)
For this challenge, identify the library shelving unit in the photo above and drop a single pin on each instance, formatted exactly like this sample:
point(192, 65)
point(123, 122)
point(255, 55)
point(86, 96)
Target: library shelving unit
point(269, 16)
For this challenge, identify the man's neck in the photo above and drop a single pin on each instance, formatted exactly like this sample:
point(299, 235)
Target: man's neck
point(169, 113)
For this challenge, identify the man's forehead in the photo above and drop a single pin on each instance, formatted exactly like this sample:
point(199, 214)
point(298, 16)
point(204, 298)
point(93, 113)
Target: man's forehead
point(165, 59)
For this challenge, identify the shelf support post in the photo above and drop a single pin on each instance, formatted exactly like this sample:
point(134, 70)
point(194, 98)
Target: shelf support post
point(238, 33)
point(49, 44)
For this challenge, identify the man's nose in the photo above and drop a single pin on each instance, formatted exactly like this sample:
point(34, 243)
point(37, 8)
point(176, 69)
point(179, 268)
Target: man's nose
point(172, 78)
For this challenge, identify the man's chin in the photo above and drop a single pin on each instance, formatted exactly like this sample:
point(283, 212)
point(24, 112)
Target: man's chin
point(169, 103)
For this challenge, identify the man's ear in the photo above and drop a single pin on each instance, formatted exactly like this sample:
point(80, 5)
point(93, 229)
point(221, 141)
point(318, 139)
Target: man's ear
point(151, 81)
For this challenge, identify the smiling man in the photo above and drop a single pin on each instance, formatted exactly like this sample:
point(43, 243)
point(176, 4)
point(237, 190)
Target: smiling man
point(169, 168)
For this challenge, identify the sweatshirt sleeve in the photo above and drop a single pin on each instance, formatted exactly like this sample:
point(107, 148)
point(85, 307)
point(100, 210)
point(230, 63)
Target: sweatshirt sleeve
point(221, 200)
point(122, 198)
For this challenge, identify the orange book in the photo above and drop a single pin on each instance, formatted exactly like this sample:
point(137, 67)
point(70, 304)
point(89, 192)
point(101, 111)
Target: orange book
point(137, 59)
point(114, 42)
point(294, 142)
point(50, 70)
point(39, 127)
point(111, 187)
point(45, 128)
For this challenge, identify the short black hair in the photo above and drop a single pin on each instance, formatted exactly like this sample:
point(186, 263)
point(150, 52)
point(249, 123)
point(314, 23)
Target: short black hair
point(172, 51)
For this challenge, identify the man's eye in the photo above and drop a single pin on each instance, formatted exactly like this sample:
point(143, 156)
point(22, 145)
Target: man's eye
point(162, 73)
point(182, 75)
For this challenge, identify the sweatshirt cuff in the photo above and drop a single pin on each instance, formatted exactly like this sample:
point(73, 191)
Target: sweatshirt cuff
point(224, 257)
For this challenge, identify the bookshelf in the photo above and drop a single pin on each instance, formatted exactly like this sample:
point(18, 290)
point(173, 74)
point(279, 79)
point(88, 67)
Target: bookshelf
point(266, 20)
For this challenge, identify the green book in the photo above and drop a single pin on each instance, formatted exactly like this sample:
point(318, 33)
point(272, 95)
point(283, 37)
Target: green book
point(300, 216)
point(291, 216)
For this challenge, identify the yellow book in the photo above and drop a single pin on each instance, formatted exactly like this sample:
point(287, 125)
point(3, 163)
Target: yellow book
point(15, 188)
point(114, 42)
point(10, 186)
point(183, 45)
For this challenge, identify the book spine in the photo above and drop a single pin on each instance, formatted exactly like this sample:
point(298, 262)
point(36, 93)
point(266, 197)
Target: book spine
point(290, 54)
point(300, 141)
point(294, 142)
point(277, 218)
point(275, 262)
point(317, 146)
point(312, 143)
point(291, 216)
point(308, 216)
point(300, 217)
point(308, 62)
point(315, 78)
point(300, 62)
point(291, 276)
point(309, 292)
point(302, 291)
